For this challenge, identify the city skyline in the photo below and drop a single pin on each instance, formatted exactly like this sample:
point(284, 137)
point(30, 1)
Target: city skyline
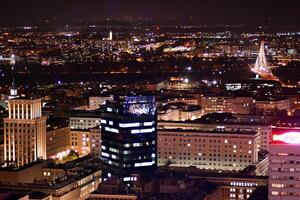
point(149, 100)
point(256, 12)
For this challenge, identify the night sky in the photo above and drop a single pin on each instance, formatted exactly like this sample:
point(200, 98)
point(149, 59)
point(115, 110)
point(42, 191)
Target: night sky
point(255, 12)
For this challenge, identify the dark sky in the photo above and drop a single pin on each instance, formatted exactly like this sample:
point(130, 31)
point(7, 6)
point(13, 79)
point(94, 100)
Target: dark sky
point(257, 12)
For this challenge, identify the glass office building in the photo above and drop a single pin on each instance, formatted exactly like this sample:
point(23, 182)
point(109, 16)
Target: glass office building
point(128, 128)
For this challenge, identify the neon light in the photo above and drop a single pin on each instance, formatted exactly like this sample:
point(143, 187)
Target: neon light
point(289, 138)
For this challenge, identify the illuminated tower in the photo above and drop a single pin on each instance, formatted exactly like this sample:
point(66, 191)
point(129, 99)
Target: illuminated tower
point(284, 164)
point(12, 60)
point(261, 67)
point(110, 36)
point(128, 132)
point(24, 132)
point(13, 91)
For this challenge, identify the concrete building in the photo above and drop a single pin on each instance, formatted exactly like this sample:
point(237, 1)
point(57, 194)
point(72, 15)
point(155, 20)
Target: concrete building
point(273, 105)
point(284, 168)
point(96, 101)
point(168, 114)
point(219, 150)
point(241, 105)
point(263, 130)
point(84, 120)
point(24, 132)
point(58, 142)
point(76, 180)
point(86, 142)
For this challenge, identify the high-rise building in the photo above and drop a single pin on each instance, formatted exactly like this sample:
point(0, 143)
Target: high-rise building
point(128, 131)
point(284, 164)
point(24, 132)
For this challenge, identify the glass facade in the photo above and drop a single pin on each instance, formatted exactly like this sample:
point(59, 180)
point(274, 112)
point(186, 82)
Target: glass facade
point(129, 136)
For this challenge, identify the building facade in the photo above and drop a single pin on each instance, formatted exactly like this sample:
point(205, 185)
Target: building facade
point(58, 142)
point(24, 132)
point(217, 150)
point(128, 131)
point(263, 130)
point(284, 168)
point(241, 105)
point(86, 142)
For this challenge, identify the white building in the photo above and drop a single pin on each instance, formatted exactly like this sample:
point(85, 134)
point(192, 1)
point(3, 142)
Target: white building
point(264, 131)
point(219, 150)
point(84, 122)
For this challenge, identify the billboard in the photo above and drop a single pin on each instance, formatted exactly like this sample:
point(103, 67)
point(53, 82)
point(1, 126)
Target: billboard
point(139, 105)
point(285, 136)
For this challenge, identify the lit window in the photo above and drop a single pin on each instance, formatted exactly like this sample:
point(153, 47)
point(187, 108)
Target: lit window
point(149, 130)
point(128, 125)
point(111, 130)
point(104, 154)
point(148, 123)
point(143, 164)
point(275, 185)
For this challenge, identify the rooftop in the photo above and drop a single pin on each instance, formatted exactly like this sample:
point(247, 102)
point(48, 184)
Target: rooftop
point(235, 132)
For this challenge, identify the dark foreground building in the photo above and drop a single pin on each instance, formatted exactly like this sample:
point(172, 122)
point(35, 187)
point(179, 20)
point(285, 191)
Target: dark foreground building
point(128, 126)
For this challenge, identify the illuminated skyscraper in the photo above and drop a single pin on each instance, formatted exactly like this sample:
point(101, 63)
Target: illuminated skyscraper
point(128, 128)
point(24, 132)
point(284, 169)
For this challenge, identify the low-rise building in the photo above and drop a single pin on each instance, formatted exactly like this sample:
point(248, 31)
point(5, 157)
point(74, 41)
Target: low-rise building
point(86, 141)
point(220, 150)
point(75, 180)
point(58, 142)
point(229, 104)
point(273, 105)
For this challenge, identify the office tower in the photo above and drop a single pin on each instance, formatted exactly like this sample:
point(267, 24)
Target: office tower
point(284, 179)
point(24, 132)
point(128, 131)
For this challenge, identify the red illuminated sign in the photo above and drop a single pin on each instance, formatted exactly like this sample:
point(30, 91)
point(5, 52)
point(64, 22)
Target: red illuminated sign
point(286, 136)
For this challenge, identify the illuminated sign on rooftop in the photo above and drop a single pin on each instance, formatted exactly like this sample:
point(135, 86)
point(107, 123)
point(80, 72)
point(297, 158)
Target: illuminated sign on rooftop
point(286, 136)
